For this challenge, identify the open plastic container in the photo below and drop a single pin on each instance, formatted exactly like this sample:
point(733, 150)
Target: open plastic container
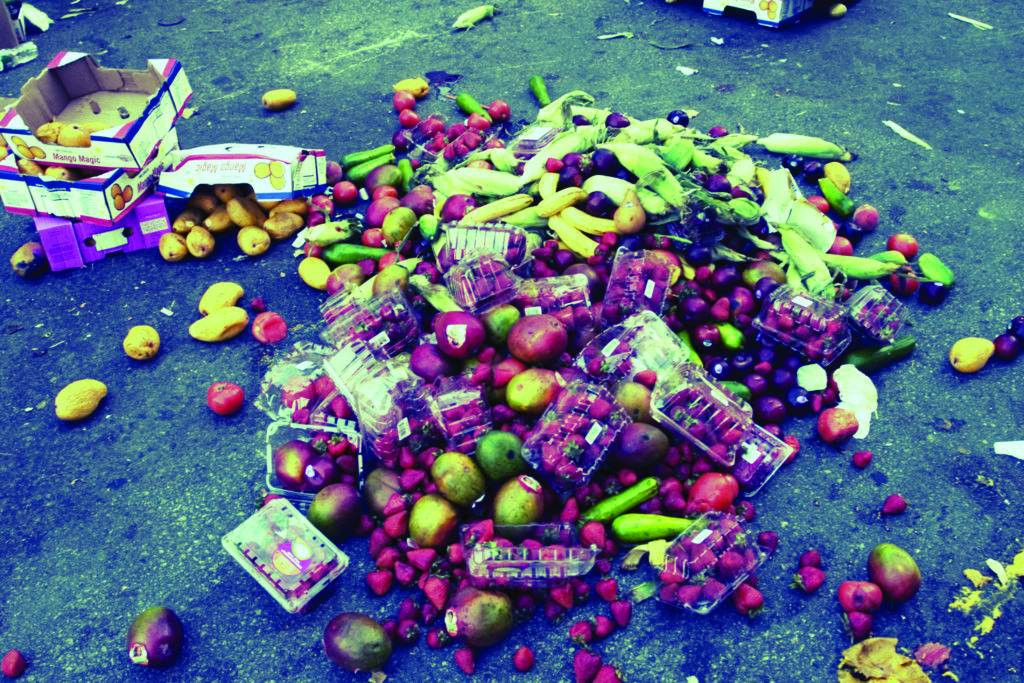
point(638, 281)
point(876, 313)
point(461, 241)
point(296, 388)
point(385, 324)
point(572, 437)
point(286, 554)
point(641, 342)
point(809, 325)
point(344, 434)
point(531, 140)
point(527, 555)
point(708, 561)
point(761, 454)
point(481, 282)
point(461, 412)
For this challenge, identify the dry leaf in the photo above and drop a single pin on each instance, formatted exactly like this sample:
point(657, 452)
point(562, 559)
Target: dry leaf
point(905, 134)
point(613, 36)
point(973, 22)
point(876, 659)
point(997, 568)
point(686, 70)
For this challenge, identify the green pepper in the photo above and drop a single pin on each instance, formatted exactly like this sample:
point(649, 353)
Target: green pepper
point(343, 252)
point(932, 267)
point(468, 104)
point(540, 90)
point(405, 166)
point(638, 528)
point(835, 197)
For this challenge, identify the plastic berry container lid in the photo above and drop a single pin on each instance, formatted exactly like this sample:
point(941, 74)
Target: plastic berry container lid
point(526, 555)
point(812, 326)
point(876, 313)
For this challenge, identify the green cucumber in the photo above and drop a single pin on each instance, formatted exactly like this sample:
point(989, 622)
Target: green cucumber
point(468, 104)
point(540, 90)
point(835, 197)
point(357, 174)
point(344, 252)
point(610, 508)
point(355, 158)
point(871, 360)
point(405, 166)
point(638, 528)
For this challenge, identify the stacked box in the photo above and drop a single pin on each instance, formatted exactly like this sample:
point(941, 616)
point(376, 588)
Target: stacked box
point(771, 13)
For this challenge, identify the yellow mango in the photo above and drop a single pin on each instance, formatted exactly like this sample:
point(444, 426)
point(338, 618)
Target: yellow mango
point(221, 325)
point(79, 399)
point(220, 295)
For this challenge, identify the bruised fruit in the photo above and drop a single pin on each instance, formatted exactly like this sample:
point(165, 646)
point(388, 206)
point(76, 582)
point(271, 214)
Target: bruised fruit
point(290, 461)
point(859, 596)
point(459, 335)
point(79, 399)
point(392, 277)
point(519, 501)
point(641, 446)
point(636, 399)
point(480, 618)
point(378, 488)
point(253, 241)
point(431, 521)
point(499, 322)
point(356, 642)
point(172, 247)
point(155, 638)
point(335, 510)
point(836, 425)
point(269, 328)
point(538, 339)
point(531, 391)
point(894, 571)
point(458, 478)
point(345, 276)
point(29, 260)
point(141, 343)
point(500, 455)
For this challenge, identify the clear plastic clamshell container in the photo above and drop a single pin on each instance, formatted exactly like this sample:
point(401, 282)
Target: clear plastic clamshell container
point(532, 139)
point(527, 555)
point(567, 297)
point(481, 282)
point(809, 325)
point(296, 387)
point(638, 281)
point(708, 561)
point(462, 241)
point(286, 554)
point(461, 412)
point(876, 313)
point(574, 434)
point(640, 343)
point(385, 323)
point(312, 455)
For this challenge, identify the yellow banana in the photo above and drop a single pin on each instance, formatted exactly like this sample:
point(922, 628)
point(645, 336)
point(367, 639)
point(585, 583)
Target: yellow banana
point(547, 185)
point(584, 222)
point(559, 200)
point(576, 241)
point(497, 209)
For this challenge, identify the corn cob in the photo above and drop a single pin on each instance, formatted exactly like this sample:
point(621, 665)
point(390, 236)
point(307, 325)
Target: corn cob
point(642, 162)
point(808, 263)
point(616, 188)
point(584, 222)
point(559, 200)
point(580, 139)
point(497, 209)
point(547, 185)
point(574, 240)
point(478, 181)
point(804, 145)
point(859, 268)
point(527, 218)
point(677, 153)
point(705, 161)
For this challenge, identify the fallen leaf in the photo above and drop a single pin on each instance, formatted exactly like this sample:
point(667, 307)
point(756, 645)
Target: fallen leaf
point(973, 22)
point(997, 568)
point(717, 41)
point(876, 659)
point(905, 134)
point(613, 36)
point(686, 70)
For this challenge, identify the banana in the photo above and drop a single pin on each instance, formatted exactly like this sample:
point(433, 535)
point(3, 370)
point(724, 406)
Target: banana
point(547, 185)
point(584, 222)
point(527, 218)
point(576, 241)
point(497, 209)
point(804, 145)
point(559, 200)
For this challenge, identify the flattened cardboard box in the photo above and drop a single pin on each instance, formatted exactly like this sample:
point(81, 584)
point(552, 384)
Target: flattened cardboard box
point(104, 199)
point(129, 112)
point(273, 171)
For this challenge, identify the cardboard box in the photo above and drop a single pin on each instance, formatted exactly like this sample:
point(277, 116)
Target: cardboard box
point(128, 112)
point(772, 13)
point(104, 198)
point(273, 171)
point(72, 244)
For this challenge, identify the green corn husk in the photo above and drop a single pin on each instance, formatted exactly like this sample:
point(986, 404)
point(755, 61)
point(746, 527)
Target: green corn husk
point(478, 181)
point(559, 112)
point(581, 139)
point(704, 161)
point(808, 262)
point(741, 171)
point(677, 153)
point(644, 163)
point(804, 145)
point(859, 268)
point(650, 131)
point(474, 16)
point(616, 188)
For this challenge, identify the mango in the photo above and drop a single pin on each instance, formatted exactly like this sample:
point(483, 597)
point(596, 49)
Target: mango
point(221, 325)
point(458, 478)
point(79, 399)
point(218, 221)
point(253, 241)
point(245, 212)
point(200, 242)
point(314, 272)
point(220, 295)
point(279, 99)
point(172, 247)
point(282, 225)
point(141, 343)
point(297, 206)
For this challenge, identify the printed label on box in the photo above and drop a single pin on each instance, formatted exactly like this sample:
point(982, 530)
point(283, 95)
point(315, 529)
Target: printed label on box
point(112, 239)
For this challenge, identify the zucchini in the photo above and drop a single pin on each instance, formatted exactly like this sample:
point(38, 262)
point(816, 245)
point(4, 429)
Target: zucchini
point(344, 252)
point(871, 360)
point(638, 528)
point(610, 508)
point(355, 158)
point(357, 174)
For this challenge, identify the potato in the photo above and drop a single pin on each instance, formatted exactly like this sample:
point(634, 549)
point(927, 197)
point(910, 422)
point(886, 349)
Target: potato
point(253, 241)
point(60, 173)
point(221, 325)
point(49, 132)
point(220, 295)
point(218, 221)
point(141, 343)
point(297, 206)
point(172, 247)
point(74, 136)
point(314, 272)
point(225, 193)
point(29, 167)
point(204, 201)
point(79, 399)
point(200, 242)
point(283, 225)
point(245, 212)
point(186, 220)
point(279, 99)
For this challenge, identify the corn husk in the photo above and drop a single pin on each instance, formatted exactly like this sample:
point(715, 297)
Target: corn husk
point(477, 181)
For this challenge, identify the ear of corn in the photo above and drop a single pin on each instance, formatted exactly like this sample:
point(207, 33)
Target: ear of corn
point(497, 209)
point(574, 240)
point(804, 145)
point(647, 132)
point(479, 181)
point(741, 171)
point(558, 112)
point(616, 188)
point(527, 218)
point(641, 162)
point(559, 200)
point(584, 222)
point(474, 16)
point(859, 268)
point(580, 139)
point(677, 153)
point(547, 185)
point(705, 161)
point(808, 262)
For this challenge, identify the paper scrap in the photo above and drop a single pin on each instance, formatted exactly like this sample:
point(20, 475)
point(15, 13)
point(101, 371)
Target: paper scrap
point(858, 394)
point(1014, 449)
point(717, 41)
point(812, 377)
point(613, 36)
point(906, 134)
point(973, 22)
point(166, 311)
point(686, 70)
